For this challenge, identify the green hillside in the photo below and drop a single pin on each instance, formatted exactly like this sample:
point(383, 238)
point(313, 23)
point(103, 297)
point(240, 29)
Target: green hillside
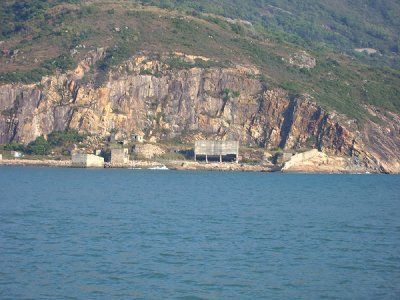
point(42, 36)
point(339, 24)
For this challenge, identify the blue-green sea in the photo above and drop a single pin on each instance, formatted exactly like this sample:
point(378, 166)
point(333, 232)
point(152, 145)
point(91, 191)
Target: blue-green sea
point(152, 234)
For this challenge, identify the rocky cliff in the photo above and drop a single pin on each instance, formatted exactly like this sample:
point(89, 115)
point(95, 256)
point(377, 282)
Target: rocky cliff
point(146, 95)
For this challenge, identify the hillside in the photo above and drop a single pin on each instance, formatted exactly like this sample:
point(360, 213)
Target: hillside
point(177, 72)
point(42, 36)
point(338, 24)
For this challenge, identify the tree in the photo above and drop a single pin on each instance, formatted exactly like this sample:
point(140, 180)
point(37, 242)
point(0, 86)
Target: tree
point(39, 147)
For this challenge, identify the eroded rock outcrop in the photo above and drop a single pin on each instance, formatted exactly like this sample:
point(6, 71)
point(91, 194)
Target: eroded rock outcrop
point(314, 161)
point(144, 95)
point(302, 60)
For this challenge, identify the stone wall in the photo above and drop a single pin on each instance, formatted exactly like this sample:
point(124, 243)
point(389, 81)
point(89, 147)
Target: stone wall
point(148, 150)
point(119, 156)
point(87, 161)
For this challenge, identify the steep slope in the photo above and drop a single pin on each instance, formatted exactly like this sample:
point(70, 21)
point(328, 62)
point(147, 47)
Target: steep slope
point(185, 105)
point(43, 39)
point(343, 25)
point(99, 66)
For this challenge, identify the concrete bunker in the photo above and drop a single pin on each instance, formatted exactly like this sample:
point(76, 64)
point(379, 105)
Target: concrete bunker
point(80, 160)
point(216, 149)
point(137, 138)
point(119, 156)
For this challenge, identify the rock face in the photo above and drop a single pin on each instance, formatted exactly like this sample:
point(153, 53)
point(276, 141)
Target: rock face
point(302, 60)
point(316, 161)
point(144, 95)
point(148, 151)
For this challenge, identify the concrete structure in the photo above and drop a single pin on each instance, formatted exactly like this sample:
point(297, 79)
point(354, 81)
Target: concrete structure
point(118, 138)
point(138, 138)
point(16, 154)
point(119, 156)
point(87, 161)
point(216, 148)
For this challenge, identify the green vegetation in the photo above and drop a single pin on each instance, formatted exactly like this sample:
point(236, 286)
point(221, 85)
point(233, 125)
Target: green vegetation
point(250, 161)
point(62, 63)
point(44, 36)
point(172, 156)
point(14, 147)
point(65, 138)
point(227, 94)
point(116, 55)
point(145, 72)
point(60, 140)
point(338, 24)
point(39, 147)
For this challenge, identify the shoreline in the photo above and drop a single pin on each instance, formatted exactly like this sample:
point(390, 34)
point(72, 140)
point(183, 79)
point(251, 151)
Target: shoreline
point(141, 164)
point(36, 162)
point(184, 166)
point(193, 166)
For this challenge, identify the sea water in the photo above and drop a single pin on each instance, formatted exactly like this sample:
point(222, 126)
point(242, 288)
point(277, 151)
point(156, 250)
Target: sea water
point(149, 234)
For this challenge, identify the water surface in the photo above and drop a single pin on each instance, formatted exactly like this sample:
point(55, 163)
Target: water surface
point(137, 234)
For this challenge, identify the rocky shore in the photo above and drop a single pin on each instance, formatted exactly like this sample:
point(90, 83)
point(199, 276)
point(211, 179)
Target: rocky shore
point(191, 165)
point(140, 164)
point(317, 163)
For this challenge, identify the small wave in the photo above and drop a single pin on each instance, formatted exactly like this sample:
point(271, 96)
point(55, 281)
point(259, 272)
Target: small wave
point(159, 168)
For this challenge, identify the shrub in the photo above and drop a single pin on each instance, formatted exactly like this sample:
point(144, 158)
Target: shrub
point(173, 156)
point(178, 63)
point(88, 10)
point(115, 56)
point(64, 138)
point(235, 94)
point(14, 147)
point(63, 62)
point(237, 28)
point(145, 71)
point(39, 147)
